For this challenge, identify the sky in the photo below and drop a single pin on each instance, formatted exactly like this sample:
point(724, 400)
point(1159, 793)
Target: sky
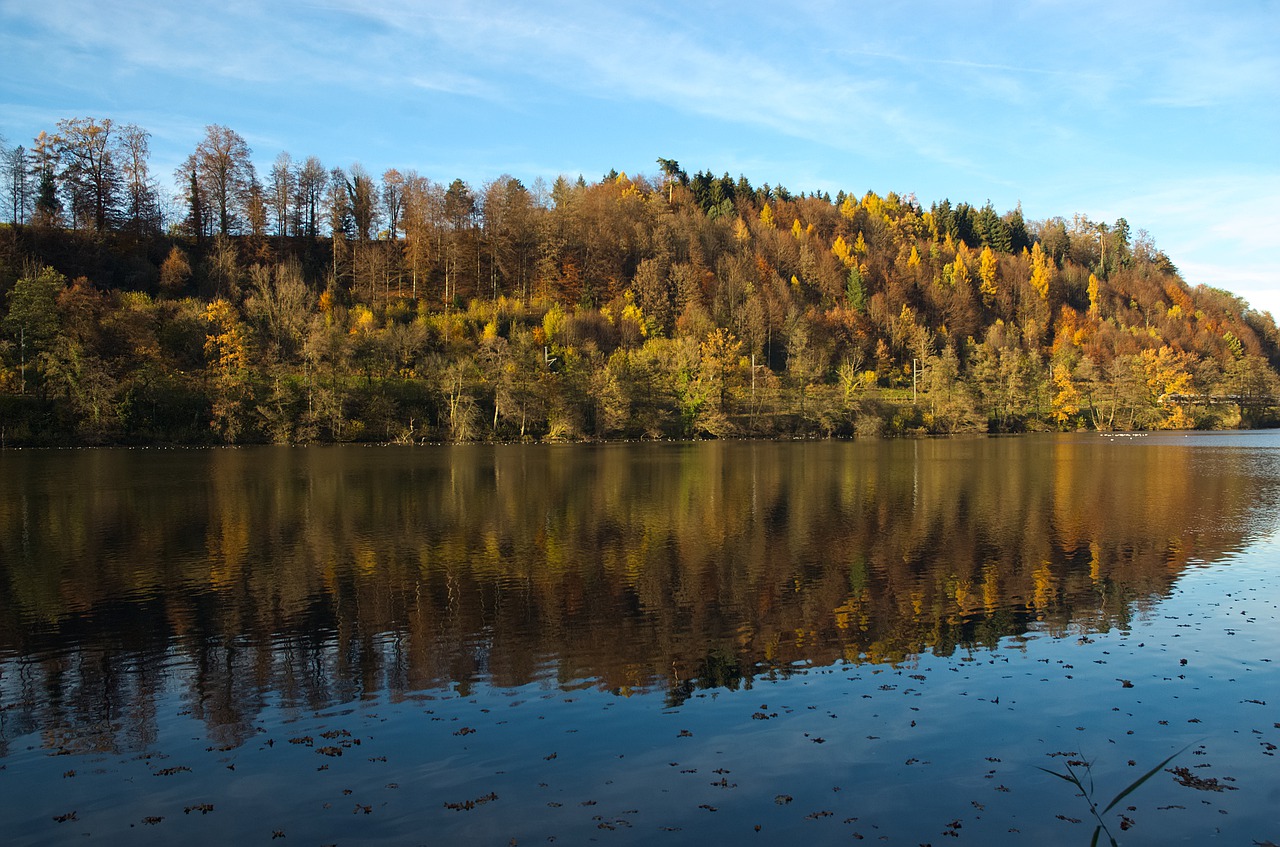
point(1165, 113)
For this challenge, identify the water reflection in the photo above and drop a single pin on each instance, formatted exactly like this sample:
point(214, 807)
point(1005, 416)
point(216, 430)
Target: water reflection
point(246, 579)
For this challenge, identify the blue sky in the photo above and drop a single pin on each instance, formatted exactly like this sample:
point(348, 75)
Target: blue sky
point(1165, 113)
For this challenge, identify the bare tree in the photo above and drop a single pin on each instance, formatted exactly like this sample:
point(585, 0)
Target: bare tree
point(392, 200)
point(141, 196)
point(224, 175)
point(311, 182)
point(282, 189)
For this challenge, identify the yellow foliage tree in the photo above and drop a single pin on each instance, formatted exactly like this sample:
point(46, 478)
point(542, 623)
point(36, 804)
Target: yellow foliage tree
point(227, 349)
point(843, 252)
point(987, 273)
point(1040, 272)
point(362, 320)
point(1066, 397)
point(766, 216)
point(227, 344)
point(959, 270)
point(1168, 371)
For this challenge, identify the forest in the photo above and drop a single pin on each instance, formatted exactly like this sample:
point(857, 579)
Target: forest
point(324, 304)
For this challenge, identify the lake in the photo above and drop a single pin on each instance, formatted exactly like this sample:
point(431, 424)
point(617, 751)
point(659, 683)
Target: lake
point(723, 642)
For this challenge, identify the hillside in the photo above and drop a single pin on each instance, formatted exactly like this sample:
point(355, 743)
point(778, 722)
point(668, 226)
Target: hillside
point(671, 306)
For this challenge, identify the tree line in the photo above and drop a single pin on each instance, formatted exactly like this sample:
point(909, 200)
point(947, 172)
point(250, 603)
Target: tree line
point(326, 304)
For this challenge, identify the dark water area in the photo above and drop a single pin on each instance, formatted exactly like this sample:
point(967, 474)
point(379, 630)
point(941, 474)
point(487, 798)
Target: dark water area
point(641, 643)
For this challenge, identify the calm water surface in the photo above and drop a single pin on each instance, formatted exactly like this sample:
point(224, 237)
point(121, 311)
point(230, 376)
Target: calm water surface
point(641, 644)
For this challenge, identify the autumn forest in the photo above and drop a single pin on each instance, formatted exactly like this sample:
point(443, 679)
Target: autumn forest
point(316, 303)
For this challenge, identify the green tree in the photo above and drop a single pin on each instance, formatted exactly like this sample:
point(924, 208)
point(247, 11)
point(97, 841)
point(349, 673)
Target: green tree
point(362, 196)
point(32, 320)
point(17, 183)
point(44, 165)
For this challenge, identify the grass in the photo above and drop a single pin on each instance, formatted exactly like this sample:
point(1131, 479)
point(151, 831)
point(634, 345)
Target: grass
point(1088, 791)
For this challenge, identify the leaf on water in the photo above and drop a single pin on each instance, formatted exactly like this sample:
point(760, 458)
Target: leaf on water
point(465, 805)
point(1183, 776)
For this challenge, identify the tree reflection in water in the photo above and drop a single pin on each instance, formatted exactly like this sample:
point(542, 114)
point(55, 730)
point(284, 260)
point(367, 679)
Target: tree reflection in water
point(310, 577)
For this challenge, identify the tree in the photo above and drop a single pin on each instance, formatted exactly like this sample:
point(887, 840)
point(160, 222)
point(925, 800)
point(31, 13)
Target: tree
point(392, 200)
point(363, 198)
point(44, 163)
point(720, 357)
point(282, 189)
point(224, 175)
point(32, 319)
point(196, 222)
point(337, 203)
point(311, 182)
point(460, 214)
point(90, 174)
point(987, 266)
point(175, 272)
point(420, 204)
point(141, 197)
point(227, 353)
point(277, 306)
point(671, 175)
point(510, 234)
point(255, 209)
point(17, 183)
point(1041, 273)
